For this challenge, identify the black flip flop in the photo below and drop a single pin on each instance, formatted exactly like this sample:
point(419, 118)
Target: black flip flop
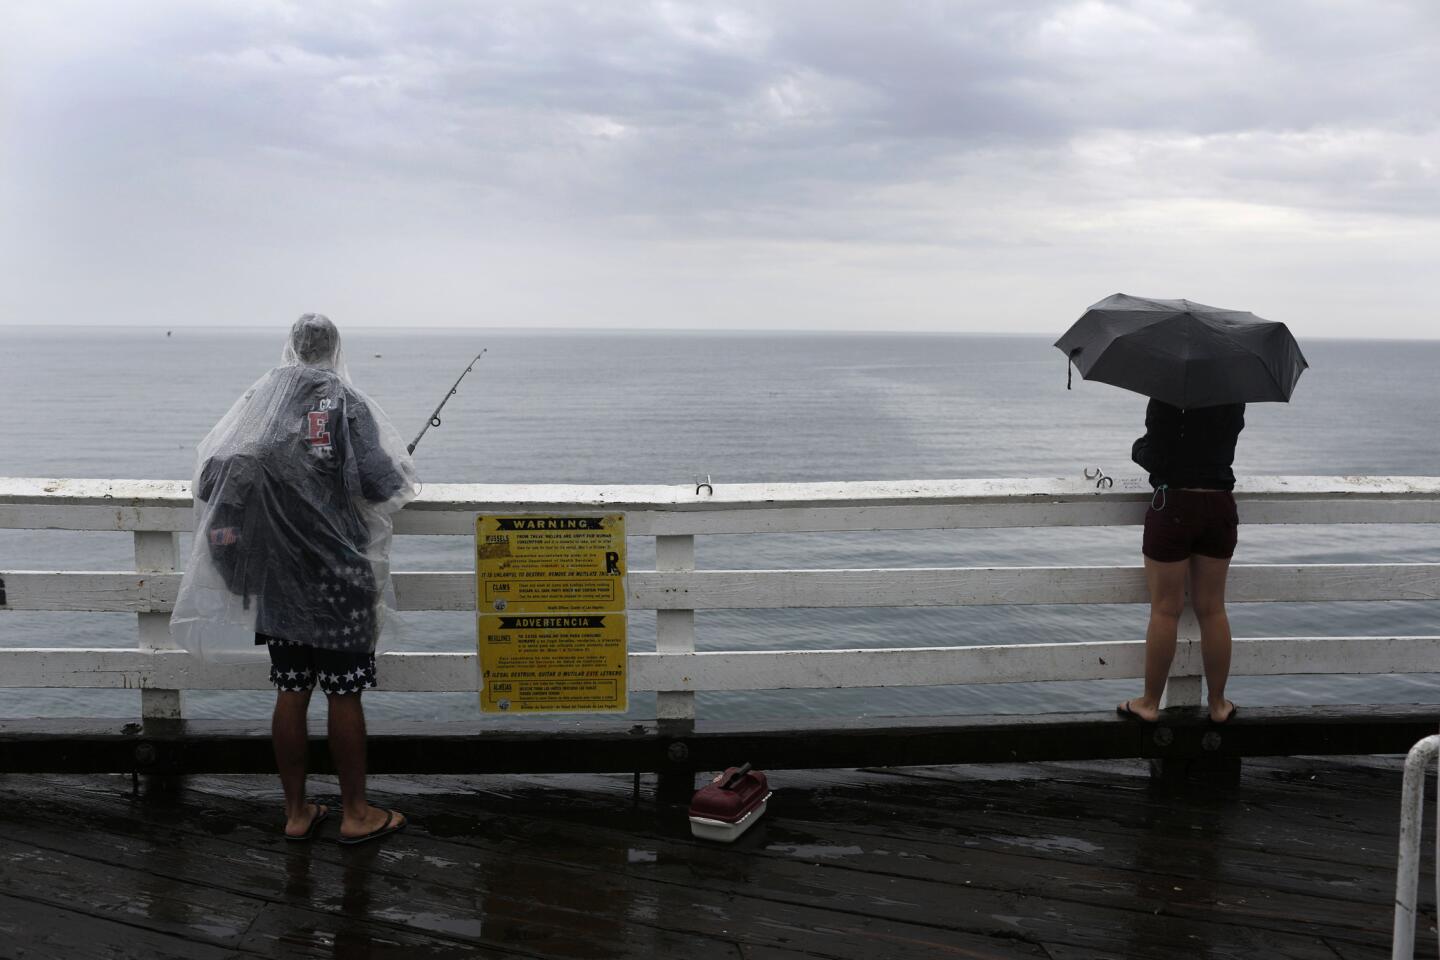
point(384, 829)
point(1233, 710)
point(322, 813)
point(1125, 711)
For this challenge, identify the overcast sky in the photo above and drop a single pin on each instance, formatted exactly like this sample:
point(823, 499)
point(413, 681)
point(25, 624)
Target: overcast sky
point(993, 165)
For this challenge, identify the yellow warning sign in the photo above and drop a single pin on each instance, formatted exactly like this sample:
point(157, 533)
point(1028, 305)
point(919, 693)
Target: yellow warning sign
point(550, 564)
point(551, 663)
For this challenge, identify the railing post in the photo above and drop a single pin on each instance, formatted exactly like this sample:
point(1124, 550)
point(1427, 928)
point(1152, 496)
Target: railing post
point(1184, 689)
point(675, 633)
point(157, 552)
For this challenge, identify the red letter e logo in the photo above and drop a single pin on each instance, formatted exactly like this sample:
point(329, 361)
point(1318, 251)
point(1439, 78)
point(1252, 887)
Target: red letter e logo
point(318, 435)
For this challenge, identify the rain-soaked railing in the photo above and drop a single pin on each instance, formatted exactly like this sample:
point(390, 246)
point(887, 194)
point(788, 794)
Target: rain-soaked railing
point(157, 511)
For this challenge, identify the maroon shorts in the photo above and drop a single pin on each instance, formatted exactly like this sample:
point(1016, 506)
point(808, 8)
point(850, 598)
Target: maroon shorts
point(1180, 523)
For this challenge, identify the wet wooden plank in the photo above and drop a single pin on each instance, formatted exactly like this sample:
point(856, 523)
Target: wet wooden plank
point(1263, 874)
point(939, 811)
point(1346, 805)
point(1127, 884)
point(131, 896)
point(282, 930)
point(1265, 857)
point(848, 864)
point(1351, 951)
point(33, 929)
point(352, 894)
point(688, 919)
point(496, 833)
point(946, 902)
point(1112, 820)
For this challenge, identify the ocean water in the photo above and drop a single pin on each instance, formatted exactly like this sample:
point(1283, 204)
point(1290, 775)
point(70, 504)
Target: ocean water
point(673, 408)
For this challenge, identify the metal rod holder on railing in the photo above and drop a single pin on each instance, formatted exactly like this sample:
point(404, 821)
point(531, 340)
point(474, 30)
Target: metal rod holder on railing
point(1407, 872)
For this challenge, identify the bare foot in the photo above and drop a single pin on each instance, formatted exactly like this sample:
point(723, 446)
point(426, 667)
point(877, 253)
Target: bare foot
point(1223, 713)
point(1135, 710)
point(374, 822)
point(303, 827)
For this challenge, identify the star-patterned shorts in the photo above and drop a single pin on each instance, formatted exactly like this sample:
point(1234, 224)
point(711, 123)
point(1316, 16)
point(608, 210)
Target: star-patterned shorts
point(297, 666)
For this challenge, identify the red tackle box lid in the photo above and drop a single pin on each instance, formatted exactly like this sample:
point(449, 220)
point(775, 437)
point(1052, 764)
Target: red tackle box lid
point(731, 795)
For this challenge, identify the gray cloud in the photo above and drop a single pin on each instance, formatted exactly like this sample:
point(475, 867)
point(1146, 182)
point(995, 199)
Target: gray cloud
point(852, 156)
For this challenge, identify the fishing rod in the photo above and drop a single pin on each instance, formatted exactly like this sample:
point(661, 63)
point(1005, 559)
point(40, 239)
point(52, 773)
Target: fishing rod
point(434, 420)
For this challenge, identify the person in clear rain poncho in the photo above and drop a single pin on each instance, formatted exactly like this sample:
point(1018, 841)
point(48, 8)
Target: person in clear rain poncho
point(294, 489)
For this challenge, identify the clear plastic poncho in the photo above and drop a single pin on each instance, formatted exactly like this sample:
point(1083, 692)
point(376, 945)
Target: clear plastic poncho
point(293, 491)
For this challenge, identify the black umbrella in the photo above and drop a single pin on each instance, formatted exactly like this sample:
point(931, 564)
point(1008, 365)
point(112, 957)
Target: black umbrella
point(1184, 353)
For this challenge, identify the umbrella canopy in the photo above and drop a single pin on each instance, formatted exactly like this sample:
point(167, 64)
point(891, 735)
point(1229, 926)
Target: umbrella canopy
point(1184, 353)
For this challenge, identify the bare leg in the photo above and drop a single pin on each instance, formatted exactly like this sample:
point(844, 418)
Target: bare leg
point(1207, 594)
point(1167, 599)
point(291, 740)
point(347, 747)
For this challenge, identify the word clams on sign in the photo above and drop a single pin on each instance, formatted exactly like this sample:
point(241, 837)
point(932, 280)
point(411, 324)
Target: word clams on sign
point(551, 623)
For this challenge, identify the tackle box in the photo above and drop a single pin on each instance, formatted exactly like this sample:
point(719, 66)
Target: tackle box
point(729, 805)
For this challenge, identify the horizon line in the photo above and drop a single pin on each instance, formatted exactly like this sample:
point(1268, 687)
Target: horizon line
point(230, 328)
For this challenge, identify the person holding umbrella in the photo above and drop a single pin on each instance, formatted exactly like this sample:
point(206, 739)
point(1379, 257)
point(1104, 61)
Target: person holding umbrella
point(1199, 365)
point(1190, 529)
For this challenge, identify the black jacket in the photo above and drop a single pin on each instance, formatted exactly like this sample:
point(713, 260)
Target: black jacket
point(1190, 448)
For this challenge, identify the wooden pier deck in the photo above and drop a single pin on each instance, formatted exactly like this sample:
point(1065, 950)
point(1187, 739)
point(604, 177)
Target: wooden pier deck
point(1057, 861)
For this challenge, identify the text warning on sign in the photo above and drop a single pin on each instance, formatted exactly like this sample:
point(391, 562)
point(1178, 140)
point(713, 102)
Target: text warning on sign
point(543, 564)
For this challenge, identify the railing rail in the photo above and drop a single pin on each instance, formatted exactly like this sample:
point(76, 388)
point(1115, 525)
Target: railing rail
point(155, 511)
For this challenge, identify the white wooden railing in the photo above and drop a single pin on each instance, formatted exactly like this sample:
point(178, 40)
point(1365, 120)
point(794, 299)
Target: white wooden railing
point(674, 515)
